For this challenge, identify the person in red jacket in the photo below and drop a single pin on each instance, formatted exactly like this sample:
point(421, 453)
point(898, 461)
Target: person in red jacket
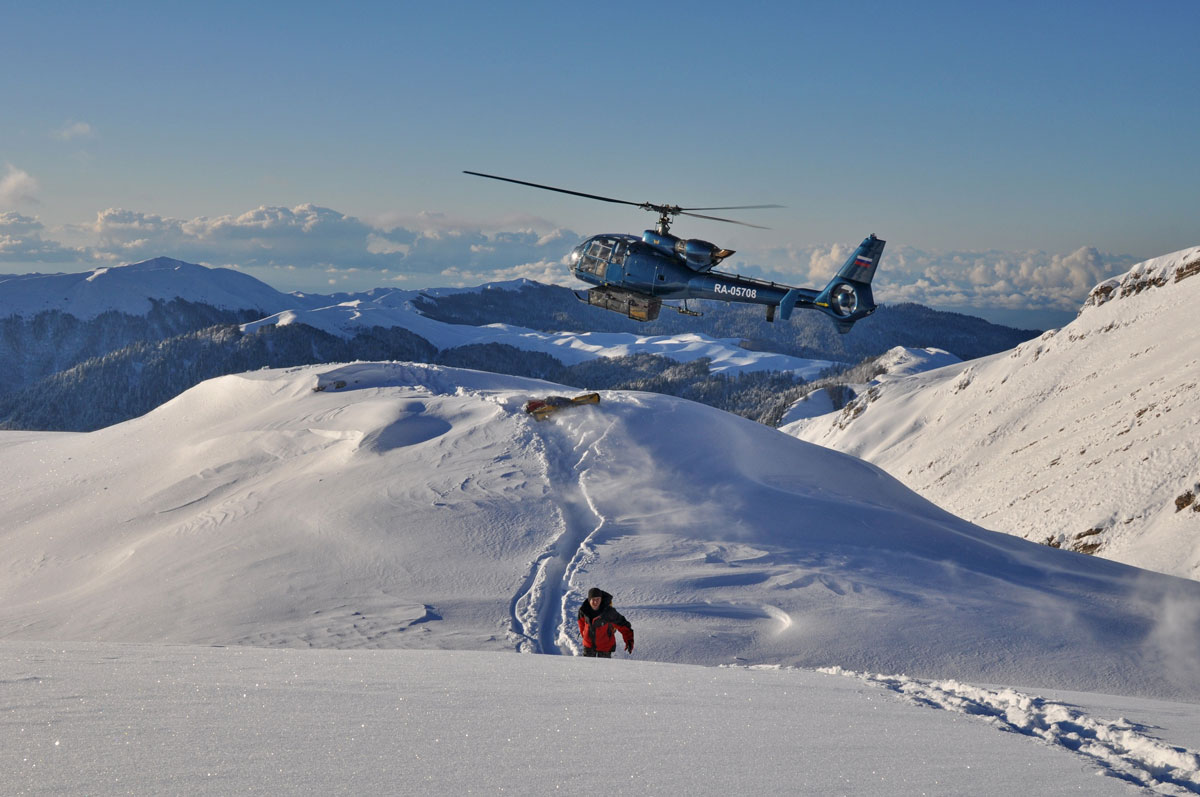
point(598, 624)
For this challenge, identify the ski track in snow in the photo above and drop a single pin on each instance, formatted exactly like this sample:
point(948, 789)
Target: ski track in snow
point(567, 592)
point(540, 610)
point(1120, 748)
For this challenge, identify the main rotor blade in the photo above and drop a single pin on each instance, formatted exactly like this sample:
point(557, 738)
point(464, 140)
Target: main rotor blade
point(738, 207)
point(661, 209)
point(560, 190)
point(731, 221)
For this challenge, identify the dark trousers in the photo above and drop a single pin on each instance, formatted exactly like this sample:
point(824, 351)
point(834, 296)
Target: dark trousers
point(592, 653)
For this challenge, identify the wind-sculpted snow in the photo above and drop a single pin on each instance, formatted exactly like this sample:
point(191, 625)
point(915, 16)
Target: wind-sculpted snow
point(392, 505)
point(1083, 439)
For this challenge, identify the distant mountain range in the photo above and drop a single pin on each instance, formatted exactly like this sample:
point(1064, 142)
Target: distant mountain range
point(81, 351)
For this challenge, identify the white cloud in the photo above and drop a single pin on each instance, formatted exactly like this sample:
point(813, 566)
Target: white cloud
point(379, 244)
point(303, 236)
point(21, 242)
point(551, 272)
point(17, 187)
point(1010, 280)
point(989, 279)
point(430, 223)
point(308, 246)
point(312, 237)
point(73, 130)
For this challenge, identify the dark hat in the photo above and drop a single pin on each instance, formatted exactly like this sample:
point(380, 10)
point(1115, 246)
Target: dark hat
point(595, 592)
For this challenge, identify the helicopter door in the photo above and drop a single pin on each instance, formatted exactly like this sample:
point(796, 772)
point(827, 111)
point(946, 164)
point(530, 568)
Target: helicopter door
point(616, 261)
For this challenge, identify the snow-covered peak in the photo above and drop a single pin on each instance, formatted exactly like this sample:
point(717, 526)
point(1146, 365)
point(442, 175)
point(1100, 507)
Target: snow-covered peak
point(905, 361)
point(895, 363)
point(158, 264)
point(130, 289)
point(1156, 273)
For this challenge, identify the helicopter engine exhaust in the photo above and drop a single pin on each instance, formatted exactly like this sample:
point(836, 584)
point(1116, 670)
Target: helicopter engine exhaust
point(700, 255)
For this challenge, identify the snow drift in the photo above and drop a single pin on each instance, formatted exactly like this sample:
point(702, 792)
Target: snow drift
point(409, 506)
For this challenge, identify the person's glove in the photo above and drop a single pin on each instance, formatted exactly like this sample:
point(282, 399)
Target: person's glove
point(629, 647)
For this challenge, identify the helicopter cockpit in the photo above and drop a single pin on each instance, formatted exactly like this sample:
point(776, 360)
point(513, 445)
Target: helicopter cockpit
point(594, 255)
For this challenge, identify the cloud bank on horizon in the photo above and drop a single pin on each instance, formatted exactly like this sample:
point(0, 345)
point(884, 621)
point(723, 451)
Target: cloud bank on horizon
point(314, 248)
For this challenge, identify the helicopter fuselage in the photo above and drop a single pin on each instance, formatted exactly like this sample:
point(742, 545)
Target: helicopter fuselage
point(660, 266)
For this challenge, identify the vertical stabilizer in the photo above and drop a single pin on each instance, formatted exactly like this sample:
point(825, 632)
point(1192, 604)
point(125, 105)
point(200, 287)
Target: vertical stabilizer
point(862, 264)
point(847, 297)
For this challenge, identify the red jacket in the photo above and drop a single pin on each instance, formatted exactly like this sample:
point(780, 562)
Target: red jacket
point(598, 627)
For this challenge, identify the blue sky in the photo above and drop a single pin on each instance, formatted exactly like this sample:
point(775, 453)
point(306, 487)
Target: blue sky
point(1012, 154)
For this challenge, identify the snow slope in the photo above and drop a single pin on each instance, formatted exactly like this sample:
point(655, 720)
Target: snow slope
point(396, 309)
point(1085, 438)
point(410, 506)
point(122, 719)
point(896, 362)
point(129, 289)
point(306, 515)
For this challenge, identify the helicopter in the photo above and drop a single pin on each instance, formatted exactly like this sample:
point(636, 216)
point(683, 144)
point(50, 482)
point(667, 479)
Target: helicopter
point(633, 275)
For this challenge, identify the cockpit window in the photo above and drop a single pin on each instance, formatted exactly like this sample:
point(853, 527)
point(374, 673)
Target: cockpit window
point(600, 252)
point(595, 259)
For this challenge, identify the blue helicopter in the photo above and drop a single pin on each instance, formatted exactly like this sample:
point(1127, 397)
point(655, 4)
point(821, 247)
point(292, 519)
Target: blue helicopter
point(633, 275)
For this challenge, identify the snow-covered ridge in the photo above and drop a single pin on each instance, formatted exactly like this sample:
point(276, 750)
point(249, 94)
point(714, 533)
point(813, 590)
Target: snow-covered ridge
point(130, 289)
point(1083, 438)
point(895, 363)
point(1155, 273)
point(397, 309)
point(904, 361)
